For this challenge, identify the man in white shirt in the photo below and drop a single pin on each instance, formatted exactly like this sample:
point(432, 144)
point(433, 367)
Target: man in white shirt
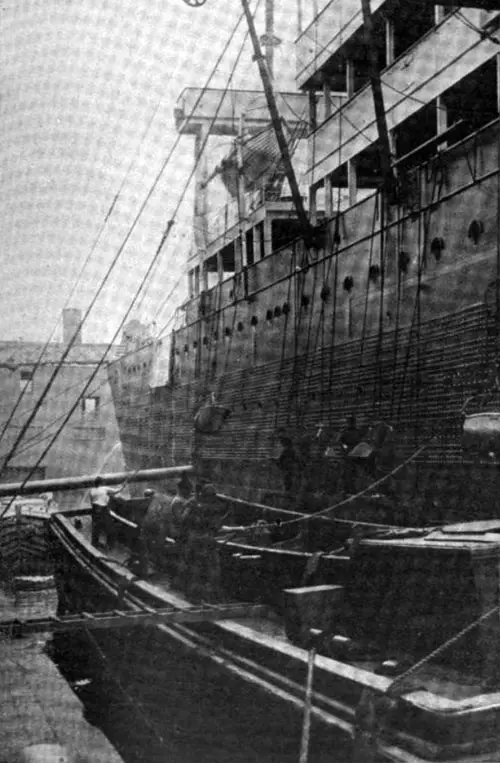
point(99, 499)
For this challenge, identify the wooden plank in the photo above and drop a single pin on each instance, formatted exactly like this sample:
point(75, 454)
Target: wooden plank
point(117, 619)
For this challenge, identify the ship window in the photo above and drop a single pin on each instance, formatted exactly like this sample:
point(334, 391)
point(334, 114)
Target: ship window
point(240, 326)
point(475, 231)
point(373, 273)
point(325, 292)
point(437, 246)
point(249, 242)
point(227, 256)
point(403, 261)
point(212, 271)
point(269, 315)
point(410, 25)
point(415, 130)
point(90, 405)
point(473, 99)
point(26, 381)
point(254, 320)
point(283, 232)
point(259, 231)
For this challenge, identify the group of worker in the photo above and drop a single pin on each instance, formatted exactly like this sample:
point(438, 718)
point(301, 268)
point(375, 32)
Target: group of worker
point(192, 518)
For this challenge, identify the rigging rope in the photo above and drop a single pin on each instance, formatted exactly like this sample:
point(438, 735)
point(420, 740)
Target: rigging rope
point(125, 241)
point(82, 269)
point(149, 270)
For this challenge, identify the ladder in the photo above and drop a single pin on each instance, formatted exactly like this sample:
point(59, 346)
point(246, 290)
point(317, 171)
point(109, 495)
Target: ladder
point(128, 619)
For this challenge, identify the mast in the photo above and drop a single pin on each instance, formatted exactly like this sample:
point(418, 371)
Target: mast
point(58, 484)
point(307, 230)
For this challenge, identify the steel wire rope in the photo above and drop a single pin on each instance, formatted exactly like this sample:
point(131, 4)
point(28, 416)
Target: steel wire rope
point(119, 252)
point(367, 298)
point(220, 145)
point(285, 330)
point(349, 499)
point(333, 254)
point(320, 328)
point(379, 348)
point(151, 266)
point(416, 309)
point(82, 269)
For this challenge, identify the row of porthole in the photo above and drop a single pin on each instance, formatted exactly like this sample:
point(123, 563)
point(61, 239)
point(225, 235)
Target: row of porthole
point(437, 246)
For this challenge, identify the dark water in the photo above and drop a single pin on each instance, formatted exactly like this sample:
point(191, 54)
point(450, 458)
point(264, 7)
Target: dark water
point(156, 705)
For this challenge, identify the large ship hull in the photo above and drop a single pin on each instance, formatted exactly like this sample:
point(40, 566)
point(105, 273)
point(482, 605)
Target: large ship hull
point(394, 319)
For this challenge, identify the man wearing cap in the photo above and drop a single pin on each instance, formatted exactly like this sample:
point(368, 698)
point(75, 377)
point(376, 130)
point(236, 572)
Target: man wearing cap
point(180, 504)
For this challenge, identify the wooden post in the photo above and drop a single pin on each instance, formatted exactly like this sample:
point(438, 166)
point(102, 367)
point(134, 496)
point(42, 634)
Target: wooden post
point(306, 725)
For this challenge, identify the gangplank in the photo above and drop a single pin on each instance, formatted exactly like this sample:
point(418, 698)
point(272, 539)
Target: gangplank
point(121, 619)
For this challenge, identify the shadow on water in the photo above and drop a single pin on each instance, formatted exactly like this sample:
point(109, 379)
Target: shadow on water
point(156, 705)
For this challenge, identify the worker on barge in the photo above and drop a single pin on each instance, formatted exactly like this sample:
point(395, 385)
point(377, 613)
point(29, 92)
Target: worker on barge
point(199, 567)
point(99, 499)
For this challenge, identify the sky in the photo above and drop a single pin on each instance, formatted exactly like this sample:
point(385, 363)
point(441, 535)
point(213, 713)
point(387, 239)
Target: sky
point(87, 93)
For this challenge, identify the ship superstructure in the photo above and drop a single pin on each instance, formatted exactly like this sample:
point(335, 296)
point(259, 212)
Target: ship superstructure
point(376, 334)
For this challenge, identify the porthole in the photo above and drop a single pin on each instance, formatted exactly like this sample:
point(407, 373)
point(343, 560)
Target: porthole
point(269, 315)
point(304, 301)
point(476, 230)
point(437, 246)
point(286, 308)
point(240, 326)
point(227, 331)
point(254, 320)
point(373, 273)
point(403, 261)
point(348, 283)
point(325, 292)
point(205, 340)
point(277, 311)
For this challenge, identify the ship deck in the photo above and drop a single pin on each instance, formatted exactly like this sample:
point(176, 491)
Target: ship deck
point(442, 713)
point(443, 683)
